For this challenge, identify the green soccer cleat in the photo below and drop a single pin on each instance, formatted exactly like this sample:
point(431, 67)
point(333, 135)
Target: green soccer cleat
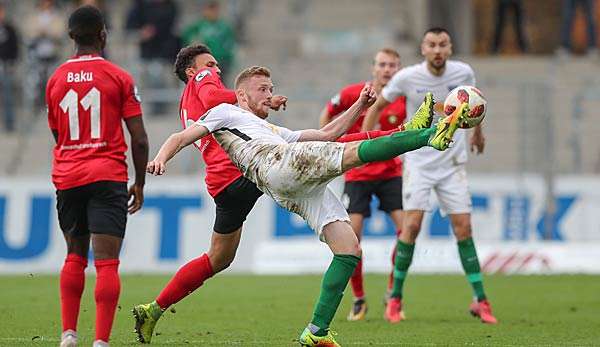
point(146, 316)
point(308, 339)
point(446, 127)
point(424, 116)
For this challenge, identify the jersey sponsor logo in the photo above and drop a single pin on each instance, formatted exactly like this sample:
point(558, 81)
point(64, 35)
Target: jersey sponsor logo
point(336, 99)
point(80, 76)
point(422, 90)
point(201, 75)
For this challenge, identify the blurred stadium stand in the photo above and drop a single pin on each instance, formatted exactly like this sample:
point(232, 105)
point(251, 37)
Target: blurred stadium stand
point(541, 115)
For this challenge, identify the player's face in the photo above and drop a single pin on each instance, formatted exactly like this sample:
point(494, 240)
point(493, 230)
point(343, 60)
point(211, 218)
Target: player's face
point(200, 62)
point(258, 92)
point(384, 67)
point(436, 48)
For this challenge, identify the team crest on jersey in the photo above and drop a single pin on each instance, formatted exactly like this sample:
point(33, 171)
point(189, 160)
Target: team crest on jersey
point(201, 75)
point(136, 94)
point(393, 119)
point(336, 99)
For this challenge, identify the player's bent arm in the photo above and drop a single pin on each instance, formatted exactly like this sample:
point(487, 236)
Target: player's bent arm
point(341, 124)
point(374, 113)
point(173, 145)
point(335, 128)
point(324, 117)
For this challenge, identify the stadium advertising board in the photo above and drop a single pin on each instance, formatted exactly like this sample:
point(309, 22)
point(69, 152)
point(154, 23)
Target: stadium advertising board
point(510, 227)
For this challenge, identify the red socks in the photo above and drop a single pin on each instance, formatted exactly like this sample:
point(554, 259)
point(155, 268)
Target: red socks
point(357, 281)
point(187, 279)
point(72, 281)
point(108, 287)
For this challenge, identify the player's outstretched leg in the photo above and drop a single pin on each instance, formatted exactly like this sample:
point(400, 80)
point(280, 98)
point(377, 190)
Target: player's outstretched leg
point(480, 307)
point(391, 146)
point(346, 249)
point(186, 280)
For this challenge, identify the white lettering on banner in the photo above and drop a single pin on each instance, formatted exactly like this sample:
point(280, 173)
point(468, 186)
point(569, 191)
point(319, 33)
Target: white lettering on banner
point(81, 76)
point(178, 214)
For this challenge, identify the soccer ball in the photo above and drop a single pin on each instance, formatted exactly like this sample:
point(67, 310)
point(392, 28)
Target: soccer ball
point(471, 95)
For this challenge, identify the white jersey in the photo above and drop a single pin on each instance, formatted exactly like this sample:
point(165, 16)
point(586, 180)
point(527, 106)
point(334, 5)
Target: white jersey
point(413, 82)
point(241, 133)
point(295, 175)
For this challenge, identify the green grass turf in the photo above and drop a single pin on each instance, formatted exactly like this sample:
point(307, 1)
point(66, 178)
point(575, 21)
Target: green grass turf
point(236, 310)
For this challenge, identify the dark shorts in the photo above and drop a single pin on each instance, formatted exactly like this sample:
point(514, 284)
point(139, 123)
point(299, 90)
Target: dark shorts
point(99, 208)
point(357, 195)
point(234, 204)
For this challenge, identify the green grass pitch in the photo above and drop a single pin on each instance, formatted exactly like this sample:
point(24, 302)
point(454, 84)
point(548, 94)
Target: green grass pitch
point(243, 310)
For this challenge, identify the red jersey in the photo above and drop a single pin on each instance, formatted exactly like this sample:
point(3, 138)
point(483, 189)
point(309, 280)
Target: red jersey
point(391, 117)
point(202, 93)
point(87, 99)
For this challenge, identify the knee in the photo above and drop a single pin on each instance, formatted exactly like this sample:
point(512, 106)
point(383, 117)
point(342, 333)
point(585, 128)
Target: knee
point(356, 249)
point(462, 230)
point(411, 229)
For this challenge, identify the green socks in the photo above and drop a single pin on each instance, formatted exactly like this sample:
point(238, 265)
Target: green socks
point(404, 255)
point(391, 146)
point(332, 289)
point(468, 258)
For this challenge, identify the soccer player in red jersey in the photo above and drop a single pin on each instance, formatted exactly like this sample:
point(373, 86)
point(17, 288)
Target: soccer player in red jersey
point(88, 97)
point(234, 195)
point(382, 179)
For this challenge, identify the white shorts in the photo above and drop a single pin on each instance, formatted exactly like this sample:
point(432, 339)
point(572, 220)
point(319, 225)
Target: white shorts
point(296, 176)
point(449, 184)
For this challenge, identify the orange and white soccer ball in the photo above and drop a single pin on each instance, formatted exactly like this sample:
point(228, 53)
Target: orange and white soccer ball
point(472, 96)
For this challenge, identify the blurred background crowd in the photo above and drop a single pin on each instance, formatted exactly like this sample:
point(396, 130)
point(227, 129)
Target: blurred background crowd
point(537, 61)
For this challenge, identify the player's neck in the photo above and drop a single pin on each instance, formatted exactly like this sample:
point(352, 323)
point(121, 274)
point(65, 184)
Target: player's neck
point(436, 71)
point(87, 50)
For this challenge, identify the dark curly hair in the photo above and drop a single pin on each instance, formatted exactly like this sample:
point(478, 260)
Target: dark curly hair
point(85, 25)
point(185, 58)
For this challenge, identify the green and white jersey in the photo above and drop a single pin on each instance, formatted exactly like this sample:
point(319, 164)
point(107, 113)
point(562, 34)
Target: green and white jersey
point(413, 82)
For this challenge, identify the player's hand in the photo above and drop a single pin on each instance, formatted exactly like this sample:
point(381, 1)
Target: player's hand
point(136, 198)
point(277, 101)
point(156, 167)
point(477, 141)
point(367, 96)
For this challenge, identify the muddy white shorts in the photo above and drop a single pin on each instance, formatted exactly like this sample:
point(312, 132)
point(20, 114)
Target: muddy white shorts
point(449, 184)
point(296, 175)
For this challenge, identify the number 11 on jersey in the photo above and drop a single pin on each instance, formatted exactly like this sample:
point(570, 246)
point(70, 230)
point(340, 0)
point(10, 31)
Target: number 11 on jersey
point(91, 101)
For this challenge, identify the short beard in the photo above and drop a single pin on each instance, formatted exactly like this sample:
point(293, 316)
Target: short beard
point(257, 110)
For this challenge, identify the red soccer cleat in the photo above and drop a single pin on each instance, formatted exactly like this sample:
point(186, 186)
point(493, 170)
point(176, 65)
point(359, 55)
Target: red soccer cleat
point(483, 310)
point(393, 311)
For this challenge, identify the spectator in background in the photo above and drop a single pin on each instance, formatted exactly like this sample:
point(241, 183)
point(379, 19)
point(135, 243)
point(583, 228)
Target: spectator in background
point(44, 31)
point(9, 51)
point(503, 6)
point(155, 20)
point(568, 12)
point(215, 33)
